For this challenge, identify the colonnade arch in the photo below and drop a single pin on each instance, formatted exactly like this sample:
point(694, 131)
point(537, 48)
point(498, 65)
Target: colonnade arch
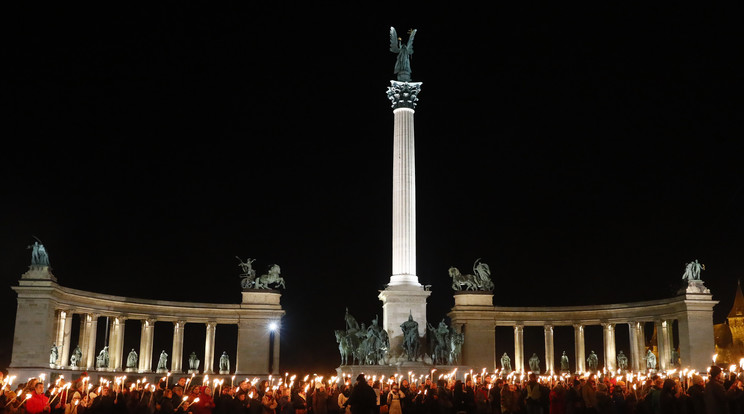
point(687, 316)
point(47, 311)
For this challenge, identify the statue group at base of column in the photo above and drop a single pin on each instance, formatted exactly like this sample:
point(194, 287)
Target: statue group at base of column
point(360, 345)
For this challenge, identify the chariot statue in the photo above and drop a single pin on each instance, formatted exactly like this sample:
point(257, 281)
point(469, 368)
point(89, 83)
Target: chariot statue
point(248, 273)
point(271, 278)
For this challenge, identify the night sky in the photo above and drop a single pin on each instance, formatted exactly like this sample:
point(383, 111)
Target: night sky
point(586, 154)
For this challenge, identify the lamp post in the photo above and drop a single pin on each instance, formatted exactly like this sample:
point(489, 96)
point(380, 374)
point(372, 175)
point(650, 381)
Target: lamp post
point(273, 326)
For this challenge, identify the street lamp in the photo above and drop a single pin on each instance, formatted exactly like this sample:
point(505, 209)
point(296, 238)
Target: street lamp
point(273, 327)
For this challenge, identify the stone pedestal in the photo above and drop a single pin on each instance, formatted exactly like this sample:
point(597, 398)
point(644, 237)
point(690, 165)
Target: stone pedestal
point(398, 302)
point(255, 334)
point(473, 316)
point(695, 324)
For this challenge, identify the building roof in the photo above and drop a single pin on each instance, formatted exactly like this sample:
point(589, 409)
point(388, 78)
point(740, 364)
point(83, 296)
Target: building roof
point(737, 311)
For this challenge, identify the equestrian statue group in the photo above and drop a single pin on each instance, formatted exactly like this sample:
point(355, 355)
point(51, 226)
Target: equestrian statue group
point(362, 345)
point(248, 279)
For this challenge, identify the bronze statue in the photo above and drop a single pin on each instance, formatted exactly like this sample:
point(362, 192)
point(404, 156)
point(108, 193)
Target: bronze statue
point(404, 51)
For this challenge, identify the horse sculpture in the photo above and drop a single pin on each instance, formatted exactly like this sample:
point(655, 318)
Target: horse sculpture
point(459, 280)
point(272, 277)
point(344, 346)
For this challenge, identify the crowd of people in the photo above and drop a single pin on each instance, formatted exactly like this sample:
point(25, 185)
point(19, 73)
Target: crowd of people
point(656, 394)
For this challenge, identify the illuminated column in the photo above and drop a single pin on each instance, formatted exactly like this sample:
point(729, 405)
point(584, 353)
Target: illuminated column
point(116, 342)
point(579, 347)
point(147, 336)
point(62, 322)
point(67, 332)
point(88, 327)
point(637, 346)
point(549, 350)
point(662, 341)
point(608, 336)
point(519, 348)
point(209, 348)
point(177, 352)
point(404, 295)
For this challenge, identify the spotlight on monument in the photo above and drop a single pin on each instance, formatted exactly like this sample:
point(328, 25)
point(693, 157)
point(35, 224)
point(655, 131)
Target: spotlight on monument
point(273, 326)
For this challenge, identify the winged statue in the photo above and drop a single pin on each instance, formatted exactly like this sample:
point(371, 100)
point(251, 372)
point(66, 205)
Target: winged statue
point(404, 51)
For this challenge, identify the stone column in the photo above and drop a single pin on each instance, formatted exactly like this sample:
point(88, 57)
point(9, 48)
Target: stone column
point(67, 332)
point(549, 350)
point(663, 346)
point(519, 348)
point(147, 336)
point(88, 327)
point(177, 351)
point(209, 347)
point(63, 319)
point(637, 346)
point(116, 342)
point(579, 353)
point(404, 296)
point(610, 358)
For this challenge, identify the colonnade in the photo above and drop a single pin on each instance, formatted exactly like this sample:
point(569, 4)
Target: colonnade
point(691, 311)
point(117, 355)
point(45, 318)
point(637, 346)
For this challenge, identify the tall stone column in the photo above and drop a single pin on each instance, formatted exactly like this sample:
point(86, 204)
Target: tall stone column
point(404, 295)
point(519, 348)
point(147, 337)
point(662, 343)
point(579, 352)
point(209, 347)
point(695, 325)
point(549, 350)
point(608, 336)
point(116, 343)
point(66, 334)
point(177, 351)
point(637, 346)
point(61, 328)
point(88, 327)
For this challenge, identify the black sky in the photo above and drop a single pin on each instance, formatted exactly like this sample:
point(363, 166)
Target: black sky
point(585, 153)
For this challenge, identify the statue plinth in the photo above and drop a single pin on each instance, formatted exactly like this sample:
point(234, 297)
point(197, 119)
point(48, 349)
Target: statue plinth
point(223, 372)
point(695, 286)
point(39, 272)
point(193, 371)
point(261, 297)
point(473, 298)
point(130, 370)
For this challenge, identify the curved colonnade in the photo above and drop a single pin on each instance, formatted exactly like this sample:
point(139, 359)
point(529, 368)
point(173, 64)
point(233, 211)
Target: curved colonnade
point(45, 315)
point(692, 310)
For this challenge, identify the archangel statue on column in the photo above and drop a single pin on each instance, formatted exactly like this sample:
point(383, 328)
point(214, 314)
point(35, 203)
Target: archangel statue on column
point(404, 51)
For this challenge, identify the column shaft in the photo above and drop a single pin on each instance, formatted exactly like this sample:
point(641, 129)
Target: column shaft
point(519, 348)
point(662, 343)
point(65, 354)
point(549, 350)
point(404, 199)
point(209, 348)
point(90, 350)
point(579, 353)
point(608, 336)
point(177, 351)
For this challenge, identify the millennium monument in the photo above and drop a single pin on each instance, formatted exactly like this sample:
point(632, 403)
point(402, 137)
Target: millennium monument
point(683, 324)
point(404, 296)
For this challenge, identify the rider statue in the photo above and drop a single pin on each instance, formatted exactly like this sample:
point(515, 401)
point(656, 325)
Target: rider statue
point(410, 338)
